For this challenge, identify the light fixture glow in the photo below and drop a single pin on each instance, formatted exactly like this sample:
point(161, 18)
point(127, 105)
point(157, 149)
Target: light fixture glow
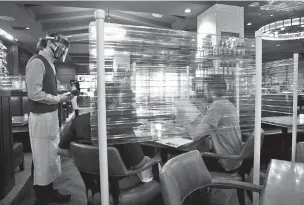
point(271, 14)
point(275, 29)
point(7, 18)
point(249, 24)
point(6, 35)
point(278, 45)
point(16, 39)
point(157, 15)
point(27, 28)
point(188, 10)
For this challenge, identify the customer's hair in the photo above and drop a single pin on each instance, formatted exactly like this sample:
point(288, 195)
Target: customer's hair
point(76, 83)
point(217, 84)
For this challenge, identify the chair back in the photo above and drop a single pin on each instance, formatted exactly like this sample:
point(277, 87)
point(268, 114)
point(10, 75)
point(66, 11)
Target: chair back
point(248, 148)
point(86, 157)
point(182, 175)
point(115, 163)
point(300, 152)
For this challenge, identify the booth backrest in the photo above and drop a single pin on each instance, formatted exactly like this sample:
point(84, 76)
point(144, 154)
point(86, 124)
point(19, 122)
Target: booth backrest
point(19, 105)
point(25, 105)
point(16, 106)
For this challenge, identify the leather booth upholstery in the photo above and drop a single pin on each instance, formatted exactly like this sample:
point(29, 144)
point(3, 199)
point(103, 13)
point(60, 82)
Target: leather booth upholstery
point(186, 173)
point(19, 105)
point(86, 158)
point(16, 106)
point(18, 155)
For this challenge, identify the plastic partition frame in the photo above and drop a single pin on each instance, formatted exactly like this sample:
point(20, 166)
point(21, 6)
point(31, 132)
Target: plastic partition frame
point(295, 106)
point(258, 113)
point(101, 103)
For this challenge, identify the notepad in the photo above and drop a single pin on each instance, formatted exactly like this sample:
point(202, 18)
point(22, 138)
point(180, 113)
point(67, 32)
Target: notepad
point(175, 142)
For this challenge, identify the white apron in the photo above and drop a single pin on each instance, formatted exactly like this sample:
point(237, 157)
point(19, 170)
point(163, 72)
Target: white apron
point(44, 136)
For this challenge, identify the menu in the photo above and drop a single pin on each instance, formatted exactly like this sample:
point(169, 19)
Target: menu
point(175, 142)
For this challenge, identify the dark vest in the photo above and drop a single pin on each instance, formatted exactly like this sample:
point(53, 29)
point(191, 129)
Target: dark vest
point(49, 86)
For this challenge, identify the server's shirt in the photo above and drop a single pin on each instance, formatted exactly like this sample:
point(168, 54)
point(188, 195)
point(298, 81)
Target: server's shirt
point(35, 71)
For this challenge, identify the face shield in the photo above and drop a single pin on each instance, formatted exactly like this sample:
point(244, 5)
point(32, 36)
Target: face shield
point(60, 47)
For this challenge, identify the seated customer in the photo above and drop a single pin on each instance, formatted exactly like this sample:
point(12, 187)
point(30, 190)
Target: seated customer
point(80, 131)
point(221, 122)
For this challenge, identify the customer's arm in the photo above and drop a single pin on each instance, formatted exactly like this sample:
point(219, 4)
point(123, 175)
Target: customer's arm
point(207, 125)
point(35, 72)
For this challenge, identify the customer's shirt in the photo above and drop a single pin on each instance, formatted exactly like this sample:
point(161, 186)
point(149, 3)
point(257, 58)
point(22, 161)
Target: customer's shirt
point(223, 117)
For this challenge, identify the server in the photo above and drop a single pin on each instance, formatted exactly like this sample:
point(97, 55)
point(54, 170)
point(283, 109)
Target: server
point(43, 97)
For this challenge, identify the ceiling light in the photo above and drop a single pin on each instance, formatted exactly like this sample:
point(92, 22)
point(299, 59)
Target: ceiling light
point(290, 24)
point(7, 18)
point(254, 4)
point(157, 15)
point(16, 39)
point(188, 10)
point(278, 45)
point(27, 28)
point(6, 35)
point(249, 24)
point(271, 14)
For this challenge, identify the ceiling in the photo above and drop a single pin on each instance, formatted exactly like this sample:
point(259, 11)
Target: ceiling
point(72, 18)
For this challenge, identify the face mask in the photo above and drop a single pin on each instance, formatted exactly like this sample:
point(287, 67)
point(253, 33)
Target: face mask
point(58, 51)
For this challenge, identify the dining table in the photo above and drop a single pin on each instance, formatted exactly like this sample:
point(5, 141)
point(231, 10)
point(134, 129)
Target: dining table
point(284, 184)
point(164, 136)
point(284, 123)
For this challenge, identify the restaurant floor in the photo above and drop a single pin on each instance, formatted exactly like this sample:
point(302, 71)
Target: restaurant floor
point(71, 181)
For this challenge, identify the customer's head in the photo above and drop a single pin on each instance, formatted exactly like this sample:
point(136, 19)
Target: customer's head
point(215, 86)
point(56, 44)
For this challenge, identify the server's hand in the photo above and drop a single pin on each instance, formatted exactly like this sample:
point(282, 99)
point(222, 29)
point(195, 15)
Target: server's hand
point(65, 96)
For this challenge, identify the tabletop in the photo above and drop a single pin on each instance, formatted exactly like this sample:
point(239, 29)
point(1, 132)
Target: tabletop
point(282, 121)
point(284, 184)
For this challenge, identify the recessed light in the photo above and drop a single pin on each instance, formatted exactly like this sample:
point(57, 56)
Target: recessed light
point(27, 28)
point(278, 45)
point(7, 18)
point(188, 10)
point(157, 15)
point(249, 24)
point(271, 14)
point(254, 4)
point(253, 45)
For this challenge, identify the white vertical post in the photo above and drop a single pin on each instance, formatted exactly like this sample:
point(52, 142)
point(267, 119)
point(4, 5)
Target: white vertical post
point(258, 112)
point(188, 82)
point(237, 87)
point(295, 106)
point(101, 106)
point(134, 76)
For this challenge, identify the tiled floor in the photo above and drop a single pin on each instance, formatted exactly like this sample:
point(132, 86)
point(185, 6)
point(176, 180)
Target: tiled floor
point(71, 181)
